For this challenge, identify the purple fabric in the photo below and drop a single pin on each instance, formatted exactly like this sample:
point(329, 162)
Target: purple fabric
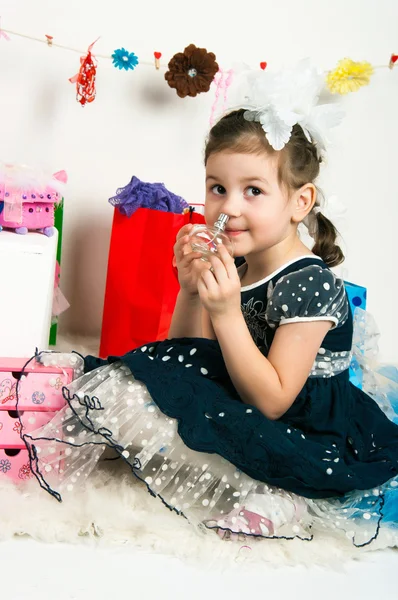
point(138, 194)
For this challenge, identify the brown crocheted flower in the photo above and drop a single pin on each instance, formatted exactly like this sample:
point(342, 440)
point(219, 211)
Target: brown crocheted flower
point(192, 71)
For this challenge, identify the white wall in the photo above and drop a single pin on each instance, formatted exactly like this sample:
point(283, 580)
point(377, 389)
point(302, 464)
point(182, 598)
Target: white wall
point(137, 125)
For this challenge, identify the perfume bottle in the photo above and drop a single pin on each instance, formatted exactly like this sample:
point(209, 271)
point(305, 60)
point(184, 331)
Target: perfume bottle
point(206, 239)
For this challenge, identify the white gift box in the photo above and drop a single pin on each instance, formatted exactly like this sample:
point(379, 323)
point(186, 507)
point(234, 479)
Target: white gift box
point(27, 271)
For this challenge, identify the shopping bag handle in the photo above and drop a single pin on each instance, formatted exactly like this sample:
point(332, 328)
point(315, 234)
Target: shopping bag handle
point(192, 208)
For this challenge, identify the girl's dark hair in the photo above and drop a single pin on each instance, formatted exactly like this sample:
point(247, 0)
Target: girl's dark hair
point(298, 164)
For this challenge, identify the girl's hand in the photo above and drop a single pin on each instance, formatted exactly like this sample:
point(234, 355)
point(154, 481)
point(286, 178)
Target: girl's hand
point(189, 264)
point(219, 287)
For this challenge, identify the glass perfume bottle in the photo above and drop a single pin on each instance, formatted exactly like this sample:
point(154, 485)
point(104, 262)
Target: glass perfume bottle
point(206, 239)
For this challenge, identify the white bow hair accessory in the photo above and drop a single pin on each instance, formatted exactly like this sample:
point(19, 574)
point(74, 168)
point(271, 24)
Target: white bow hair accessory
point(282, 99)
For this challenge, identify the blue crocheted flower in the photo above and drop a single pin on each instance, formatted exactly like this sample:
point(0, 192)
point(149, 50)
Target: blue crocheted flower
point(123, 59)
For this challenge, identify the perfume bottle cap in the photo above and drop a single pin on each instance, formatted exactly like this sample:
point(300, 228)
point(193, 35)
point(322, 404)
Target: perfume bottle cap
point(221, 222)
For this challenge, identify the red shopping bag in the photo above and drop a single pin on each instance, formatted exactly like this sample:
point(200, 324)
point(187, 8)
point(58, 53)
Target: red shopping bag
point(141, 285)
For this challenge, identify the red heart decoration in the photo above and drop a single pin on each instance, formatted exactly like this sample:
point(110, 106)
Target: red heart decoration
point(263, 65)
point(394, 58)
point(157, 55)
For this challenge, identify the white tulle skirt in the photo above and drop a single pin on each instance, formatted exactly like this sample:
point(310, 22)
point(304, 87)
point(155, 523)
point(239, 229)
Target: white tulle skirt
point(111, 415)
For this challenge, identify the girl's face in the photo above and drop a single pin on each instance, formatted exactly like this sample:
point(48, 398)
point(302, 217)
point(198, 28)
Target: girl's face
point(245, 187)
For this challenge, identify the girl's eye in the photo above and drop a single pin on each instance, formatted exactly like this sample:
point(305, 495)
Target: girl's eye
point(219, 190)
point(253, 191)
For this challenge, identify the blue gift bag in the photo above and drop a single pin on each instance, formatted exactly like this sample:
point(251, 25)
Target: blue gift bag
point(356, 295)
point(357, 299)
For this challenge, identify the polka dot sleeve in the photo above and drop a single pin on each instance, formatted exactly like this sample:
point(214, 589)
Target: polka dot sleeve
point(310, 294)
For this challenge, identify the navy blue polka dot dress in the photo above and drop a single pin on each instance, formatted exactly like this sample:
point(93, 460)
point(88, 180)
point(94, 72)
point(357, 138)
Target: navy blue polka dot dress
point(170, 410)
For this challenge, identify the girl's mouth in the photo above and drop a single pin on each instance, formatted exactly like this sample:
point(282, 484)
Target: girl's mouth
point(235, 232)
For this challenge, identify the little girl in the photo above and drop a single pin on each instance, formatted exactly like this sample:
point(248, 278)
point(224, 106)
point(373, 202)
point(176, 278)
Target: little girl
point(244, 420)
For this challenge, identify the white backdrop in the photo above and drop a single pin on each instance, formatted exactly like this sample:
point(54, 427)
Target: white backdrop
point(138, 125)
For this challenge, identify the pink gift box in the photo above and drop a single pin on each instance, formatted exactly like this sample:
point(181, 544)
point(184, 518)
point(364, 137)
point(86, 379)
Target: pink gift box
point(39, 397)
point(27, 198)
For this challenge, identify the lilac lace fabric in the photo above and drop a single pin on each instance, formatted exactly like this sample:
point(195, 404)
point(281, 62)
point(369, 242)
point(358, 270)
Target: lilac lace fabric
point(138, 194)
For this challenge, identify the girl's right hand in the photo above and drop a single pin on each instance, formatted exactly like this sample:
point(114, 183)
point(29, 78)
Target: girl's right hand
point(189, 264)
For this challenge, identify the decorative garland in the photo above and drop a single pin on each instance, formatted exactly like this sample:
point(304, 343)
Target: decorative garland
point(192, 71)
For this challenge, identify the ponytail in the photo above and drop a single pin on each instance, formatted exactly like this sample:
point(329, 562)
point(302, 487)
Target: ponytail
point(325, 241)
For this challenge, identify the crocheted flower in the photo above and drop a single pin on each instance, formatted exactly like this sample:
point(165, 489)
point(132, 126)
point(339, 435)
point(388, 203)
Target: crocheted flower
point(192, 71)
point(349, 76)
point(123, 59)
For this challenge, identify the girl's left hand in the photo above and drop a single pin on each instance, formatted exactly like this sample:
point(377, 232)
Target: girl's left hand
point(219, 287)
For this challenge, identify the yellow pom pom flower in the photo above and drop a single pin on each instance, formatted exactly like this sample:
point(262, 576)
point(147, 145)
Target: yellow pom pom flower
point(349, 76)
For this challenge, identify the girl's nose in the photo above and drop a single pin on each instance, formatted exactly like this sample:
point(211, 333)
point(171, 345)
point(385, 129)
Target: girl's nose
point(232, 206)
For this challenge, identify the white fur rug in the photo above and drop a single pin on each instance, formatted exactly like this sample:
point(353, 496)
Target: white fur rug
point(114, 508)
